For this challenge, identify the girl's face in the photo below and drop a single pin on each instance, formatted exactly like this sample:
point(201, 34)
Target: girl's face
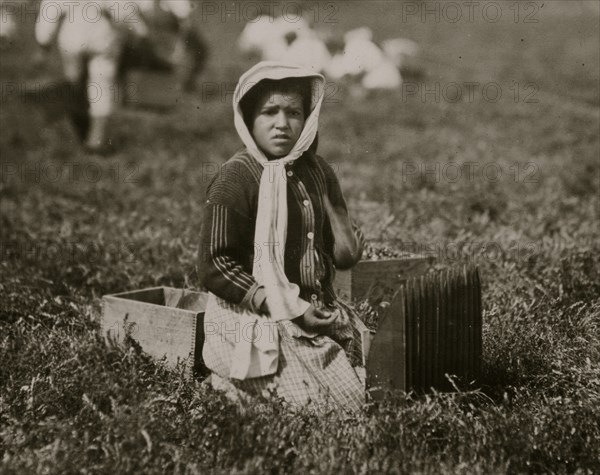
point(278, 122)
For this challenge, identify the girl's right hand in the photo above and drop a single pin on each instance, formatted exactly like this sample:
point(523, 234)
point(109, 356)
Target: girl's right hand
point(316, 319)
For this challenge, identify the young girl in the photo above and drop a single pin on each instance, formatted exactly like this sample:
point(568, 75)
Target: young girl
point(276, 227)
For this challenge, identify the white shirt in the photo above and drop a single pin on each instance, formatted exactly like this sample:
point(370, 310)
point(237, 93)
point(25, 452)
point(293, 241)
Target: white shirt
point(86, 25)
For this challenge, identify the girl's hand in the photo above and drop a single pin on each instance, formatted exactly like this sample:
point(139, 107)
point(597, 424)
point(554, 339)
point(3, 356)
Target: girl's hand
point(315, 319)
point(346, 248)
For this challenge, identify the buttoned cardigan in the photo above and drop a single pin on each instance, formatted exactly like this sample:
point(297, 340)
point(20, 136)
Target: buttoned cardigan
point(227, 247)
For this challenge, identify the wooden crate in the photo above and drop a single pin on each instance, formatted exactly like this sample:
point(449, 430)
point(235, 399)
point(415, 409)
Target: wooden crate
point(379, 279)
point(431, 329)
point(164, 321)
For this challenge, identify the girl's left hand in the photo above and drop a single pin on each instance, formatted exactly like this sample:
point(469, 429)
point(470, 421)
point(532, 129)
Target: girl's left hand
point(315, 319)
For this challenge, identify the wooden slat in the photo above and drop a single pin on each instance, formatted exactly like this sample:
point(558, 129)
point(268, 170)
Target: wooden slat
point(153, 295)
point(436, 336)
point(411, 348)
point(467, 324)
point(418, 316)
point(456, 321)
point(464, 329)
point(471, 323)
point(415, 335)
point(444, 330)
point(437, 286)
point(423, 329)
point(459, 322)
point(478, 321)
point(408, 345)
point(427, 301)
point(449, 327)
point(452, 321)
point(386, 364)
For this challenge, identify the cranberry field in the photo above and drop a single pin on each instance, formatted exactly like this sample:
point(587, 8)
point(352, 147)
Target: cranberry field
point(488, 154)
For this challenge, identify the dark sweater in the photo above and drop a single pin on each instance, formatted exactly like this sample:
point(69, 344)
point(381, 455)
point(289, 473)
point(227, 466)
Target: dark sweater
point(227, 246)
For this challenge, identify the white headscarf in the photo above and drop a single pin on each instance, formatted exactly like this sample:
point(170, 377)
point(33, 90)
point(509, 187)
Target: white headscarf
point(257, 358)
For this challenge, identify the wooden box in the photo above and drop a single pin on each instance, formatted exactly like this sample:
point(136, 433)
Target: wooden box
point(379, 280)
point(431, 329)
point(164, 321)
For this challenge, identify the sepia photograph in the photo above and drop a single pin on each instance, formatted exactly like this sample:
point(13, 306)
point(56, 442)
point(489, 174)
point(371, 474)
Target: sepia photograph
point(299, 237)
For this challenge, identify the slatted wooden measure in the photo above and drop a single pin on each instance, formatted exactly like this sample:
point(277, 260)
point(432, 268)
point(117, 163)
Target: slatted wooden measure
point(431, 329)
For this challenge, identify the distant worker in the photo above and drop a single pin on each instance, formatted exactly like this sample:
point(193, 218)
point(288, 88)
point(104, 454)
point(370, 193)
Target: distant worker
point(90, 40)
point(357, 59)
point(8, 24)
point(276, 39)
point(263, 37)
point(175, 44)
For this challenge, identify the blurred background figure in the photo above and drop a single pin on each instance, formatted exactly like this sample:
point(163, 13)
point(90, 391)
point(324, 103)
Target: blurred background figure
point(90, 41)
point(276, 39)
point(356, 57)
point(361, 58)
point(264, 37)
point(8, 24)
point(405, 54)
point(306, 48)
point(400, 50)
point(359, 55)
point(173, 43)
point(256, 35)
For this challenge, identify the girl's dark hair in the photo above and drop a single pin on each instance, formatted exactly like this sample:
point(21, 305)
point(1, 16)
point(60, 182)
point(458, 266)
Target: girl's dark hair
point(285, 86)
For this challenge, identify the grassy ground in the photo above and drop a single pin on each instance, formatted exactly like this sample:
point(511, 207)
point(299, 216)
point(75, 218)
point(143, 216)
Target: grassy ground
point(527, 214)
